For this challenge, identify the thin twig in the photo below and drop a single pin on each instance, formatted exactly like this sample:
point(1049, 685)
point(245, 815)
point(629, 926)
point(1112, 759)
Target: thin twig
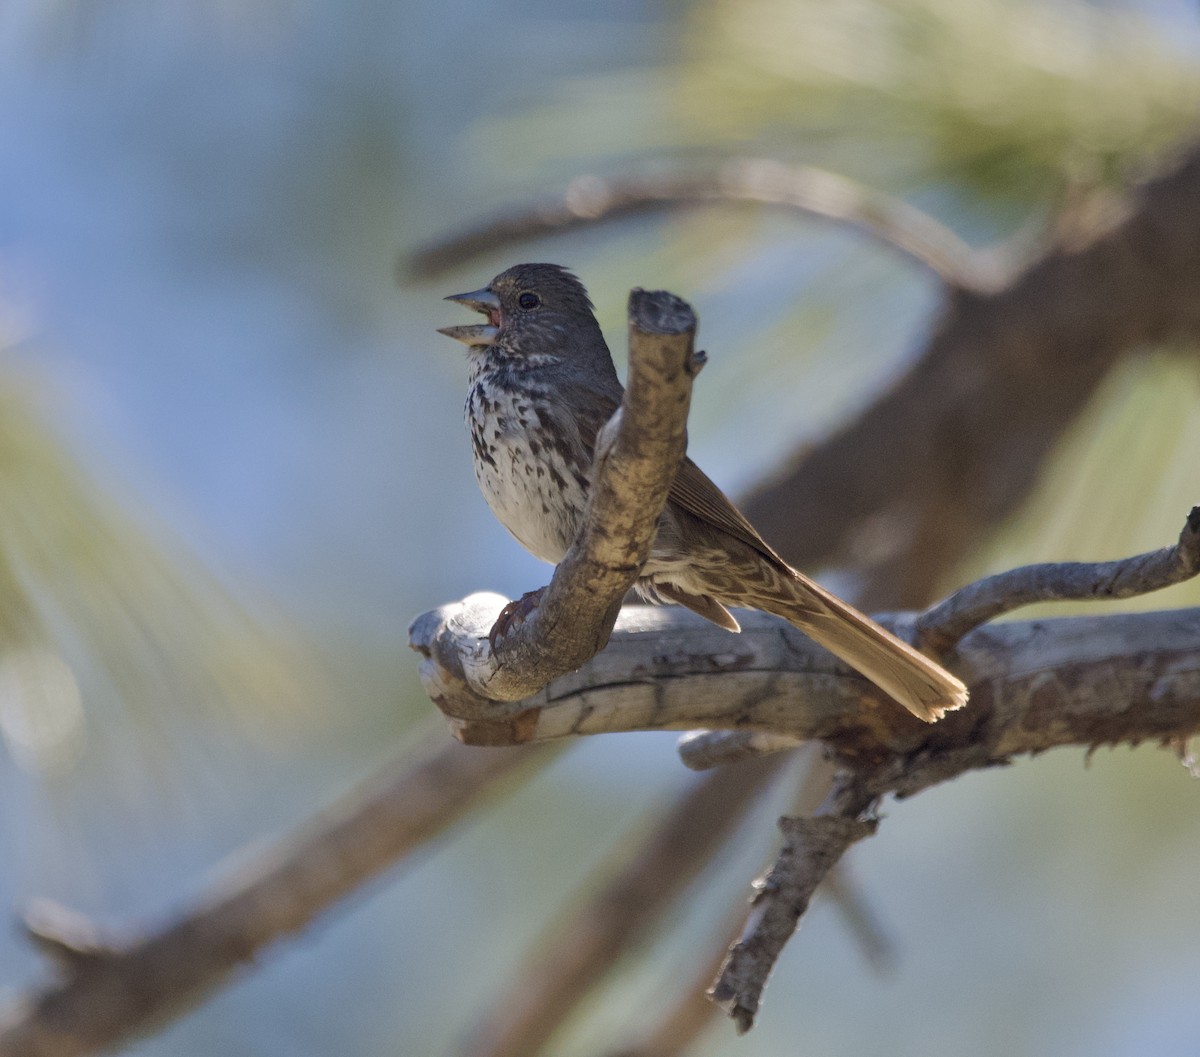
point(818, 777)
point(811, 847)
point(110, 988)
point(684, 1021)
point(701, 750)
point(816, 836)
point(941, 626)
point(692, 1012)
point(759, 181)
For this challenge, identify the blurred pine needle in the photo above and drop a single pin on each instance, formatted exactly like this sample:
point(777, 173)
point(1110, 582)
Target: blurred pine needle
point(1018, 100)
point(111, 632)
point(1010, 96)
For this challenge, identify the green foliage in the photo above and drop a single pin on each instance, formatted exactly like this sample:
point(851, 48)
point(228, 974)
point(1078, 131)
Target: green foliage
point(1018, 97)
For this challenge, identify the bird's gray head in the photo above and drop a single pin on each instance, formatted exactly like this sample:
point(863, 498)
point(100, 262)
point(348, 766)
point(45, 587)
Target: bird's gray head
point(533, 311)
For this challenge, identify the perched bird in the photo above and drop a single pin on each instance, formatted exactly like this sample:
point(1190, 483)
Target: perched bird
point(542, 384)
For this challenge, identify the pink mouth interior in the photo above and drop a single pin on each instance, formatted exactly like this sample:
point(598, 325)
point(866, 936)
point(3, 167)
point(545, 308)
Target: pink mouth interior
point(493, 316)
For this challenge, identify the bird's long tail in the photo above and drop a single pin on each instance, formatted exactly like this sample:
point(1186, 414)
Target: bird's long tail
point(922, 686)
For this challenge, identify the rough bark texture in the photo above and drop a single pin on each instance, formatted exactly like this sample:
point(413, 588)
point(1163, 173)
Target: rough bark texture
point(1034, 685)
point(811, 848)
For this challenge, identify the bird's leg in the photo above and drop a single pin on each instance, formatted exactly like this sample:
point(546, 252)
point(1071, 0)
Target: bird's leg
point(514, 614)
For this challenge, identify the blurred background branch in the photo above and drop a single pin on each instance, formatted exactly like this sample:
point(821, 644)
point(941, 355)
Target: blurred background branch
point(113, 989)
point(740, 181)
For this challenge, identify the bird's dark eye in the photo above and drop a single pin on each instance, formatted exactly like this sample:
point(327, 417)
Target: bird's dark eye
point(528, 301)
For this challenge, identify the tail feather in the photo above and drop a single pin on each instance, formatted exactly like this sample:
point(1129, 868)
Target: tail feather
point(921, 685)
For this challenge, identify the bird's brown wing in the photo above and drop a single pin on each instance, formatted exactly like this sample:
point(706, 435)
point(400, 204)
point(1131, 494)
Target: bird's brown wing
point(696, 493)
point(918, 683)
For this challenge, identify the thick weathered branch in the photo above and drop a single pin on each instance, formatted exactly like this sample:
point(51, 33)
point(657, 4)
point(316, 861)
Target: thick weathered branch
point(637, 455)
point(941, 626)
point(110, 988)
point(1119, 695)
point(758, 181)
point(1033, 685)
point(1173, 682)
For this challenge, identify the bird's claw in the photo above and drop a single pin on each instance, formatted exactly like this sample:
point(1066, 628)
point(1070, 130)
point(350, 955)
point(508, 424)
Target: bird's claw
point(514, 615)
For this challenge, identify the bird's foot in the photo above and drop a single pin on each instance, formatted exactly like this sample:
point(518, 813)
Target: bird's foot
point(514, 615)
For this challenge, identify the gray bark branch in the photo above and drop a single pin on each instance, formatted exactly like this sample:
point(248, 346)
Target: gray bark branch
point(1034, 685)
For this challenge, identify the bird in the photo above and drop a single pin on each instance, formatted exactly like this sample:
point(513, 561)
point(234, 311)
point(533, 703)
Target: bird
point(542, 384)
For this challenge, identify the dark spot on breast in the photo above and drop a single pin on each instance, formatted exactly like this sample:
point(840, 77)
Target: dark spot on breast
point(481, 449)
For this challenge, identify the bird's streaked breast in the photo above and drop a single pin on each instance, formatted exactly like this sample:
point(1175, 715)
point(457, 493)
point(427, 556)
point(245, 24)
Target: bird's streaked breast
point(532, 486)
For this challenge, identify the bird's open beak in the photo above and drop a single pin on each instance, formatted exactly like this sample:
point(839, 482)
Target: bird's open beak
point(485, 302)
point(474, 334)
